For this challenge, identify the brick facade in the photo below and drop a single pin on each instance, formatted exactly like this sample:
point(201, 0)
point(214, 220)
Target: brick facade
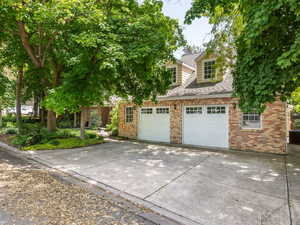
point(270, 138)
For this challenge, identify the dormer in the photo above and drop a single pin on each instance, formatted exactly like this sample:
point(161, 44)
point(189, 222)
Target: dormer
point(206, 69)
point(180, 72)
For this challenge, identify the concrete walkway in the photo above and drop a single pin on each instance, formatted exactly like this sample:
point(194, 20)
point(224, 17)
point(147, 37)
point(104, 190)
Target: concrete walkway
point(192, 186)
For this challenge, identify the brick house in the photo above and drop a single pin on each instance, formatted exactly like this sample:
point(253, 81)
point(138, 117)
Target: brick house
point(198, 110)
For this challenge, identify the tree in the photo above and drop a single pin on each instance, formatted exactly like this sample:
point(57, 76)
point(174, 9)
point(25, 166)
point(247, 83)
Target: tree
point(266, 38)
point(7, 94)
point(122, 53)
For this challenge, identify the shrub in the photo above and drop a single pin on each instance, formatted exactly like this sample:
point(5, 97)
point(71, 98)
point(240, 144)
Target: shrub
point(9, 118)
point(64, 124)
point(21, 140)
point(63, 134)
point(90, 135)
point(95, 121)
point(113, 126)
point(11, 131)
point(54, 142)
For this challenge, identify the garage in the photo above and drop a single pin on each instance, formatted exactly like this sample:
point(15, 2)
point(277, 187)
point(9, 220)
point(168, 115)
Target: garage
point(206, 126)
point(154, 124)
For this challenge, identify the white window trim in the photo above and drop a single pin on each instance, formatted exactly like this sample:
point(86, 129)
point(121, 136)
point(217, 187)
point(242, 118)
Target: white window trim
point(176, 67)
point(126, 114)
point(249, 128)
point(203, 69)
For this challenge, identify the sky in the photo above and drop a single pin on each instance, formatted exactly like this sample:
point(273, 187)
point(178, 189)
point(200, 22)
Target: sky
point(197, 33)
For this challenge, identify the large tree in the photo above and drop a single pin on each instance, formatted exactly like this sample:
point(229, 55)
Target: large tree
point(120, 52)
point(265, 35)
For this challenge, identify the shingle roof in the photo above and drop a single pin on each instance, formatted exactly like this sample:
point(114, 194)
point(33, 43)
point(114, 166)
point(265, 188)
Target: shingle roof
point(193, 89)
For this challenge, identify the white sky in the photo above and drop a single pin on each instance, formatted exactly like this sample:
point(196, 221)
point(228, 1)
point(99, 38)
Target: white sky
point(198, 32)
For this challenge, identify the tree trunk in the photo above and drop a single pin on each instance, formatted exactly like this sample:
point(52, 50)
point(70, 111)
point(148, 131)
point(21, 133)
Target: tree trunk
point(51, 121)
point(18, 97)
point(35, 106)
point(75, 120)
point(51, 116)
point(1, 122)
point(82, 123)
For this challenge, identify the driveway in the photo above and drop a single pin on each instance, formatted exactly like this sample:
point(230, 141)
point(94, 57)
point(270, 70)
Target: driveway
point(194, 186)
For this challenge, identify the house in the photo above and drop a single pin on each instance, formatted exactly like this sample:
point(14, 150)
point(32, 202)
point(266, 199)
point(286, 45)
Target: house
point(199, 110)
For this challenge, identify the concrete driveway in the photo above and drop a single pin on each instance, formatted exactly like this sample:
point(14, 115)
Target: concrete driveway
point(193, 186)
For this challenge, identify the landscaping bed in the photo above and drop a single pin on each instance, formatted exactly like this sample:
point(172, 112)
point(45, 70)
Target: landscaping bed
point(35, 137)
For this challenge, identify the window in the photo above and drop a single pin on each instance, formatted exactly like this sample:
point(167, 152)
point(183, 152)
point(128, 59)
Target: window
point(209, 70)
point(174, 74)
point(251, 121)
point(193, 110)
point(146, 111)
point(162, 110)
point(216, 110)
point(129, 114)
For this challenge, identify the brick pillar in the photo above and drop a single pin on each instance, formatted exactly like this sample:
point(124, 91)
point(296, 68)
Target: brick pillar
point(176, 123)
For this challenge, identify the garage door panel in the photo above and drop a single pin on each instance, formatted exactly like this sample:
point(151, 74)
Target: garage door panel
point(154, 125)
point(209, 128)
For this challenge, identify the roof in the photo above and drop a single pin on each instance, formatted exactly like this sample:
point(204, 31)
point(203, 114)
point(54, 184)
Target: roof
point(189, 59)
point(202, 90)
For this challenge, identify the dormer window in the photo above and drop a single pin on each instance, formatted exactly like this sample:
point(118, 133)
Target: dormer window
point(209, 69)
point(173, 71)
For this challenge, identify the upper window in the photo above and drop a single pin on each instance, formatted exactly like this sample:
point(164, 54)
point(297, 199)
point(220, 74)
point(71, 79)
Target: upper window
point(216, 110)
point(251, 121)
point(129, 114)
point(193, 110)
point(209, 70)
point(162, 111)
point(174, 74)
point(146, 111)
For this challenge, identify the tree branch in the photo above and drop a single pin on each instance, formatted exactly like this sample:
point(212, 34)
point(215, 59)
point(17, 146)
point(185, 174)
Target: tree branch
point(26, 44)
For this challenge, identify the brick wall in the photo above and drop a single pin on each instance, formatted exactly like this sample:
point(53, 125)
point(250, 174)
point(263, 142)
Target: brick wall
point(270, 138)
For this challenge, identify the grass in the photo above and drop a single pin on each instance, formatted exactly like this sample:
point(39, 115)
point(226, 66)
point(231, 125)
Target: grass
point(76, 131)
point(66, 143)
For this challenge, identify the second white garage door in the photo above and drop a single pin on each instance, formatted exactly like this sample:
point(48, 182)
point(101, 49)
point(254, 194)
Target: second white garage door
point(154, 124)
point(206, 126)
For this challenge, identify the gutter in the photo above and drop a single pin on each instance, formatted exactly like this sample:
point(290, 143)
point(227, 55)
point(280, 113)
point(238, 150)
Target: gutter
point(226, 95)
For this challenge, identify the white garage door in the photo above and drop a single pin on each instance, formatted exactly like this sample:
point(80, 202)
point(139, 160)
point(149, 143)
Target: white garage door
point(206, 126)
point(154, 124)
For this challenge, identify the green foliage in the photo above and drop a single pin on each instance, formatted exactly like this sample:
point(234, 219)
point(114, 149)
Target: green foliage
point(95, 119)
point(114, 125)
point(67, 143)
point(91, 135)
point(295, 100)
point(11, 131)
point(266, 37)
point(64, 124)
point(7, 93)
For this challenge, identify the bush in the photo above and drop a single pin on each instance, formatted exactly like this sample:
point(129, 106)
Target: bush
point(90, 135)
point(21, 140)
point(113, 127)
point(9, 118)
point(95, 121)
point(11, 131)
point(64, 124)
